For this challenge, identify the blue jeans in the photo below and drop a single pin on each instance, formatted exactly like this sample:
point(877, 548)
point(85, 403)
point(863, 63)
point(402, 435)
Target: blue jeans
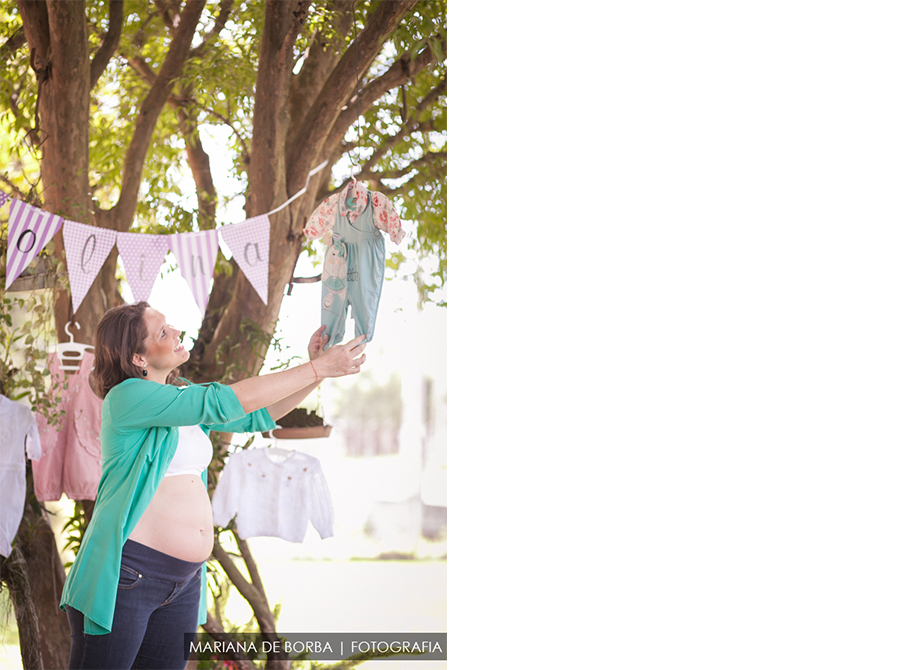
point(156, 604)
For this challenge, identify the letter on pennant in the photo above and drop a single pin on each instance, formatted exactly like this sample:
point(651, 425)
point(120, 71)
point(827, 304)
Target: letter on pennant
point(196, 256)
point(87, 248)
point(30, 229)
point(249, 245)
point(142, 256)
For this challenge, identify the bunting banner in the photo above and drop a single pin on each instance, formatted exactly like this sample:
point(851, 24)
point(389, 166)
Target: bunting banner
point(87, 248)
point(249, 246)
point(196, 256)
point(142, 257)
point(30, 229)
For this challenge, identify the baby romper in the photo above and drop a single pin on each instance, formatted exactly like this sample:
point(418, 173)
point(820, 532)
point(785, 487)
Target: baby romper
point(353, 271)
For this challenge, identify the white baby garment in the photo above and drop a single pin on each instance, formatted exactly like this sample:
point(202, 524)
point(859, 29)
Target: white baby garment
point(18, 437)
point(273, 492)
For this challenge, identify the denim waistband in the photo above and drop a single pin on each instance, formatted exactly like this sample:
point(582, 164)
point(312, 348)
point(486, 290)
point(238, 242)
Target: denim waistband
point(153, 563)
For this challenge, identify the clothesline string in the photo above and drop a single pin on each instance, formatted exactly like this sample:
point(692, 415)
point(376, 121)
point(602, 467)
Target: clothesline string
point(296, 195)
point(353, 163)
point(321, 166)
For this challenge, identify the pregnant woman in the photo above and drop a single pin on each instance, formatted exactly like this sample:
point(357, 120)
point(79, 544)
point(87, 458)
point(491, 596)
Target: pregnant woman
point(136, 587)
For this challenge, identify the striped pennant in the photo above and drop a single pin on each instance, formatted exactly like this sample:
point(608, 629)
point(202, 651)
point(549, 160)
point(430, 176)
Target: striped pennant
point(196, 257)
point(30, 229)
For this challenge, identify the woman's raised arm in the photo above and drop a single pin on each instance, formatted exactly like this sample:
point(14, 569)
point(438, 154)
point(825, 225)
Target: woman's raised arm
point(265, 390)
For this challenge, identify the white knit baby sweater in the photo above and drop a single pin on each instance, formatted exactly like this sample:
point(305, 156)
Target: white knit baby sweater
point(273, 492)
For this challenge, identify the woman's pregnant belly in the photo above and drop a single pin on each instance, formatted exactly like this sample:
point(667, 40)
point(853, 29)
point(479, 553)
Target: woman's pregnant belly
point(178, 521)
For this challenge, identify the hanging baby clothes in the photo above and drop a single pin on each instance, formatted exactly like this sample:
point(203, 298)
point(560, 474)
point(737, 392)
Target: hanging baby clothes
point(18, 438)
point(71, 461)
point(353, 271)
point(275, 493)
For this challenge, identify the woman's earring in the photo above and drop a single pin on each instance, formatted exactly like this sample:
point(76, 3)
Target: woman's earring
point(144, 372)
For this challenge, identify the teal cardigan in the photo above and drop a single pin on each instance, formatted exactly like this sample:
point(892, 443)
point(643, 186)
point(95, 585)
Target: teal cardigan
point(138, 438)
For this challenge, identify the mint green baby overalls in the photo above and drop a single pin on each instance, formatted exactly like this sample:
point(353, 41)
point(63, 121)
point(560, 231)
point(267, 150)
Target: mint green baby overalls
point(353, 274)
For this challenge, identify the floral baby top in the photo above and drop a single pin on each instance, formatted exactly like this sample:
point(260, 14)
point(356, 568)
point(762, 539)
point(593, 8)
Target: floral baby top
point(321, 221)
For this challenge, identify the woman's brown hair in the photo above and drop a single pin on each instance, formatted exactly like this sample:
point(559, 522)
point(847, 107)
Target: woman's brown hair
point(120, 335)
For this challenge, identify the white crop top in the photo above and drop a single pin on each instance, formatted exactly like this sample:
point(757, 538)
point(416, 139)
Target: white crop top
point(193, 454)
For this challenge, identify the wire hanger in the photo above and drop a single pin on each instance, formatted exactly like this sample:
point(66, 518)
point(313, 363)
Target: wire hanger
point(353, 163)
point(71, 353)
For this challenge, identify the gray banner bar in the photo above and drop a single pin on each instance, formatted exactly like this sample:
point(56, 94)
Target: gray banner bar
point(320, 646)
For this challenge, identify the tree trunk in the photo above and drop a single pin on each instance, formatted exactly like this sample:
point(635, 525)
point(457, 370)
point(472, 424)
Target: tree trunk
point(47, 575)
point(14, 573)
point(64, 105)
point(57, 35)
point(35, 576)
point(267, 190)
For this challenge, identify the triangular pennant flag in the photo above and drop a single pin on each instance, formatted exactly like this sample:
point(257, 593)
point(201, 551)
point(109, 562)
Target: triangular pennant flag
point(142, 256)
point(249, 245)
point(196, 256)
point(86, 249)
point(3, 198)
point(30, 229)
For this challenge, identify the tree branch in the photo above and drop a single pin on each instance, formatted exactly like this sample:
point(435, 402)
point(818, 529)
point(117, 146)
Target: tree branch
point(141, 66)
point(381, 150)
point(402, 70)
point(252, 569)
point(13, 105)
point(16, 192)
point(10, 46)
point(250, 593)
point(37, 25)
point(257, 600)
point(266, 173)
point(217, 632)
point(409, 126)
point(198, 160)
point(371, 175)
point(245, 152)
point(322, 56)
point(110, 40)
point(165, 9)
point(150, 109)
point(213, 34)
point(319, 122)
point(14, 574)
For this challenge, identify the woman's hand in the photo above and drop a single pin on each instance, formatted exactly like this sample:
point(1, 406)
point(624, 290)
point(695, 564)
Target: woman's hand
point(342, 359)
point(317, 343)
point(282, 391)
